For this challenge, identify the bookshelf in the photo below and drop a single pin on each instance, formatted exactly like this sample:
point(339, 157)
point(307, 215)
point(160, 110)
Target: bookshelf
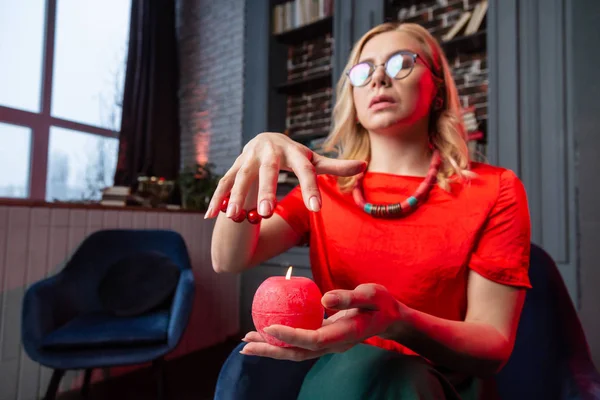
point(306, 84)
point(466, 44)
point(288, 89)
point(300, 73)
point(461, 30)
point(320, 27)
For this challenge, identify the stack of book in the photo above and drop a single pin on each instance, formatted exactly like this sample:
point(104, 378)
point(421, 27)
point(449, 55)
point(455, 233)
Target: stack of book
point(115, 196)
point(470, 21)
point(297, 13)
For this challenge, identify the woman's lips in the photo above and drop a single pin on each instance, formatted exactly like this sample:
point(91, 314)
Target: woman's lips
point(381, 102)
point(382, 105)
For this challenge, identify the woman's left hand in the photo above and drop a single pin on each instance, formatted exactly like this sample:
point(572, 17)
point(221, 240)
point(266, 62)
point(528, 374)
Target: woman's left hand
point(369, 310)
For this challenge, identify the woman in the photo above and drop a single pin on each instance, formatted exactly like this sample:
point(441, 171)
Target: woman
point(422, 256)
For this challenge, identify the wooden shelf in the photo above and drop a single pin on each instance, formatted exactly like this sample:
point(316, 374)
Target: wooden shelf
point(92, 205)
point(306, 32)
point(302, 138)
point(474, 43)
point(308, 84)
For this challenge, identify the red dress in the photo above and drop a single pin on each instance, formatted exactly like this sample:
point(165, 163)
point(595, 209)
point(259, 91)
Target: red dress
point(423, 258)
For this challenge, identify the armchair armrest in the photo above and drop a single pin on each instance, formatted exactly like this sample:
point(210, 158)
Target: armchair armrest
point(38, 314)
point(181, 306)
point(582, 380)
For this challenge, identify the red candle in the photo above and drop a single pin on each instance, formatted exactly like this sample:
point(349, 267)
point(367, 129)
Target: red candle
point(291, 301)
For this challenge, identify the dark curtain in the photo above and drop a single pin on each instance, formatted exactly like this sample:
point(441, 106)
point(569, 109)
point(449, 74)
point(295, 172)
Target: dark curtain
point(149, 138)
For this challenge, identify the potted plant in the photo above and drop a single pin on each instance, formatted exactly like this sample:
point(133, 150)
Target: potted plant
point(197, 184)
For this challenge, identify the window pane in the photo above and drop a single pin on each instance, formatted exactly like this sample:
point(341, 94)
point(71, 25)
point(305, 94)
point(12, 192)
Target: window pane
point(89, 61)
point(15, 157)
point(21, 51)
point(80, 165)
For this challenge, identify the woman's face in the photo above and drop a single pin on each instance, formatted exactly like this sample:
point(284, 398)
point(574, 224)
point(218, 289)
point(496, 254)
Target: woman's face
point(406, 100)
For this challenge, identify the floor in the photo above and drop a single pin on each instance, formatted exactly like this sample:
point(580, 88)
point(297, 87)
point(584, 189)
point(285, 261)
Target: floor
point(190, 377)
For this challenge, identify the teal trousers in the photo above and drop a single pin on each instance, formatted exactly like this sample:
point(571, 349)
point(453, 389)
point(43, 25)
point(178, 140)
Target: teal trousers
point(367, 372)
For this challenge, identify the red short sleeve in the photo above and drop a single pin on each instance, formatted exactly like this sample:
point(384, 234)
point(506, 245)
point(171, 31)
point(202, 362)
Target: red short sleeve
point(502, 250)
point(292, 209)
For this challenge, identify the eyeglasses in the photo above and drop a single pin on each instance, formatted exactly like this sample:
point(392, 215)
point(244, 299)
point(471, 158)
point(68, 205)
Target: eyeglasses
point(398, 66)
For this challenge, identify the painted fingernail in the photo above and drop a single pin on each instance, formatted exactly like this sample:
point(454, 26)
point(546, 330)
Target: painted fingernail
point(208, 213)
point(313, 204)
point(265, 208)
point(232, 210)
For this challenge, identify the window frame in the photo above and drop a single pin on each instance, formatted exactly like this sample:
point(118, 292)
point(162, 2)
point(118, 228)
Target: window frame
point(40, 123)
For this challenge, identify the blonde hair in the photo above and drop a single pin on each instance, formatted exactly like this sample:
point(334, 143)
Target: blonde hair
point(447, 132)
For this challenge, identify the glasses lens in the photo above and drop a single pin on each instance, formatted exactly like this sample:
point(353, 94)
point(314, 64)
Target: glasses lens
point(399, 66)
point(359, 74)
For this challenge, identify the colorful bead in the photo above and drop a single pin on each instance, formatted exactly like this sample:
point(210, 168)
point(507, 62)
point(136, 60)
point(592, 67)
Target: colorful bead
point(224, 204)
point(240, 217)
point(376, 210)
point(253, 216)
point(397, 209)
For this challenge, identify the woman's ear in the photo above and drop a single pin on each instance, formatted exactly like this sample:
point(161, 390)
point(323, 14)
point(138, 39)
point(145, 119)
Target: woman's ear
point(438, 101)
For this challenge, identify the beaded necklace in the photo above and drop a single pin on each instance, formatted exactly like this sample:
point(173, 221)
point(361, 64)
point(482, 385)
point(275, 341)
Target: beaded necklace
point(397, 210)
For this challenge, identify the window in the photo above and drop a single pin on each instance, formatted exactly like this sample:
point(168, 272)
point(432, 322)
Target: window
point(80, 164)
point(21, 42)
point(89, 61)
point(60, 96)
point(14, 160)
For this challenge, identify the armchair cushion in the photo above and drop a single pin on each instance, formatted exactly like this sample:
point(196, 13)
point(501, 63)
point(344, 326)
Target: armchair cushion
point(138, 283)
point(106, 330)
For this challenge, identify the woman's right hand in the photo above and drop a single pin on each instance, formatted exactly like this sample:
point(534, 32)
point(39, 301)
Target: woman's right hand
point(259, 164)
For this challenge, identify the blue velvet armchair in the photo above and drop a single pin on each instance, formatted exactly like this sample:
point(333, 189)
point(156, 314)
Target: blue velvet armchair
point(66, 327)
point(551, 358)
point(550, 361)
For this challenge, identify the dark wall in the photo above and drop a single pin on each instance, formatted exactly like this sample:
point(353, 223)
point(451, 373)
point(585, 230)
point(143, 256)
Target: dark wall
point(211, 51)
point(544, 120)
point(529, 129)
point(583, 91)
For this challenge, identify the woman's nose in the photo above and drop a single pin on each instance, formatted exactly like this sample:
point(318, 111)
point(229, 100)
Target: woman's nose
point(379, 77)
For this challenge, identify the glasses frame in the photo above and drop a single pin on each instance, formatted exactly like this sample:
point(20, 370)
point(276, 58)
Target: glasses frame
point(373, 67)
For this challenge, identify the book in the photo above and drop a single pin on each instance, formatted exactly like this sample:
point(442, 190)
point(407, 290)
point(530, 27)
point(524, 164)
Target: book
point(457, 27)
point(477, 18)
point(469, 119)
